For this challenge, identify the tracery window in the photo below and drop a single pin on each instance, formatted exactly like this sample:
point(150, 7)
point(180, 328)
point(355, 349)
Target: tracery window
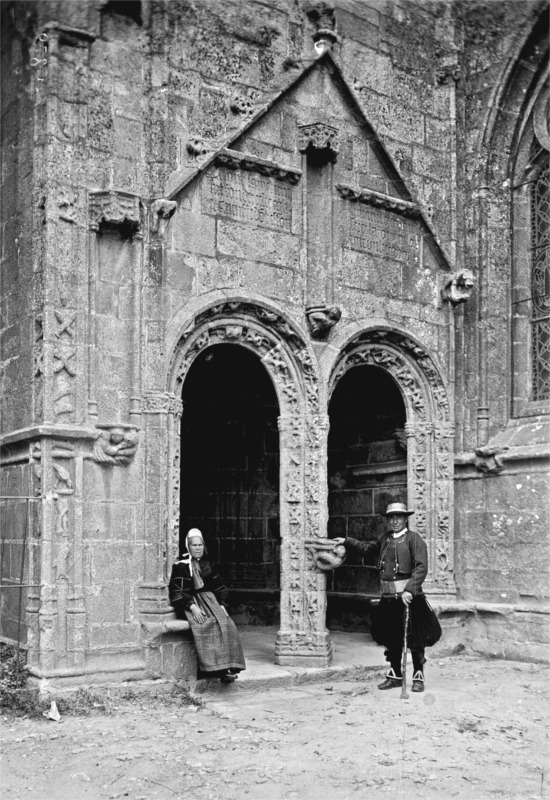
point(540, 281)
point(531, 265)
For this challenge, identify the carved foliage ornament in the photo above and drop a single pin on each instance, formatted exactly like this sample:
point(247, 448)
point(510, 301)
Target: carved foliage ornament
point(319, 139)
point(115, 208)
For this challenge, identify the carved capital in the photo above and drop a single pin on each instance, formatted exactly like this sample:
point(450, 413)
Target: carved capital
point(458, 287)
point(321, 319)
point(320, 140)
point(116, 444)
point(118, 209)
point(161, 403)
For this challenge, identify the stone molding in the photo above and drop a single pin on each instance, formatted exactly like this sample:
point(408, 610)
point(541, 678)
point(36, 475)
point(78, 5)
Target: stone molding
point(114, 208)
point(232, 159)
point(430, 439)
point(379, 200)
point(154, 402)
point(48, 431)
point(323, 140)
point(289, 361)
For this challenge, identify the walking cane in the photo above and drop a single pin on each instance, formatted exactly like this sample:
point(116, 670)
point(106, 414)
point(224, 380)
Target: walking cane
point(404, 695)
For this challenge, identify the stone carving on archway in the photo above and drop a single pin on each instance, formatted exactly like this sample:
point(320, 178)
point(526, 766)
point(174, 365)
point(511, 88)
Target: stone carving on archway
point(287, 357)
point(429, 433)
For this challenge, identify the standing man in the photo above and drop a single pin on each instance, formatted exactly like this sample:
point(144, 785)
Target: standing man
point(402, 562)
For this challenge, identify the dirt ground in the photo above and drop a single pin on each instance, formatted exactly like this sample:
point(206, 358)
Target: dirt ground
point(479, 731)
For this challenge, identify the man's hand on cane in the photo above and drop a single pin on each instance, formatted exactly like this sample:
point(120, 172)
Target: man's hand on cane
point(406, 597)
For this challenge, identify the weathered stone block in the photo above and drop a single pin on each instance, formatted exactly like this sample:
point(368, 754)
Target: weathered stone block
point(109, 520)
point(273, 248)
point(114, 637)
point(193, 233)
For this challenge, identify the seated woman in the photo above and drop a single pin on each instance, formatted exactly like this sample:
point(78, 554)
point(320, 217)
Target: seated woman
point(198, 594)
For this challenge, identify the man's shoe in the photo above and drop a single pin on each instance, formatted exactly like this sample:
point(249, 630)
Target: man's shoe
point(418, 682)
point(391, 682)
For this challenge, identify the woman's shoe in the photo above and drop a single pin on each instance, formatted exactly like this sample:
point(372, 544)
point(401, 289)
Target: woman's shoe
point(227, 677)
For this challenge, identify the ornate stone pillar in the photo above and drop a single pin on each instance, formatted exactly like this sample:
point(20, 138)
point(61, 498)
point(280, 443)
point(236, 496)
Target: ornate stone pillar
point(303, 638)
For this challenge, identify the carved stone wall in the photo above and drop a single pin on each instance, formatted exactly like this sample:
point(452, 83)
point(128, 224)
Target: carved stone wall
point(289, 361)
point(429, 432)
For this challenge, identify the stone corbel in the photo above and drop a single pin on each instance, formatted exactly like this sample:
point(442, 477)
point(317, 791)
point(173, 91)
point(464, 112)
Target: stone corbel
point(321, 319)
point(488, 459)
point(458, 287)
point(117, 209)
point(320, 140)
point(116, 444)
point(326, 555)
point(161, 210)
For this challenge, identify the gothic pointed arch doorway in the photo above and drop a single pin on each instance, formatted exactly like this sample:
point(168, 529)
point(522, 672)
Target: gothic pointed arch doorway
point(230, 475)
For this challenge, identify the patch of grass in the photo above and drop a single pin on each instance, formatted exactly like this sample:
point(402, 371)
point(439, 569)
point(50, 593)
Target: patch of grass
point(181, 696)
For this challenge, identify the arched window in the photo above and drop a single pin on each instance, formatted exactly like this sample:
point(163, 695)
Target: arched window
point(531, 265)
point(540, 280)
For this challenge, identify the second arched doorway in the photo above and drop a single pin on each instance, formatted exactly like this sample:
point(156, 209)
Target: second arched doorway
point(367, 469)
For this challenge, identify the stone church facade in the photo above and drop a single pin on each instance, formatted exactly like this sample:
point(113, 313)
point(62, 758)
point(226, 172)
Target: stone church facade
point(266, 268)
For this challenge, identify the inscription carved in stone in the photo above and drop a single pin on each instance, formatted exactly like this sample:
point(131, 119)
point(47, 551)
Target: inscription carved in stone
point(378, 233)
point(248, 197)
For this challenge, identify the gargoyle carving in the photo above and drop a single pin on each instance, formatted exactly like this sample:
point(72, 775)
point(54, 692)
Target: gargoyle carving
point(161, 211)
point(326, 554)
point(488, 459)
point(321, 319)
point(458, 287)
point(116, 444)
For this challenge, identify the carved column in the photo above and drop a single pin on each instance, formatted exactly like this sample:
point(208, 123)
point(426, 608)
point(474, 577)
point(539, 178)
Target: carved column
point(303, 638)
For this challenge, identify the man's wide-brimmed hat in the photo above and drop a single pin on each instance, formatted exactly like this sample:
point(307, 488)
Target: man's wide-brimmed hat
point(398, 508)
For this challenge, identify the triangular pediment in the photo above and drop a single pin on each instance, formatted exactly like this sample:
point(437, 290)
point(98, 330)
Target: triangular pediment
point(319, 103)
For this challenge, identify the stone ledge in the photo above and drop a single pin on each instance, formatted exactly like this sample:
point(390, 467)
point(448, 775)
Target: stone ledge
point(501, 609)
point(47, 430)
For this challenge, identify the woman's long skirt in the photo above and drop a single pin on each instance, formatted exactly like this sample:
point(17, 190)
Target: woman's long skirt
point(388, 623)
point(216, 639)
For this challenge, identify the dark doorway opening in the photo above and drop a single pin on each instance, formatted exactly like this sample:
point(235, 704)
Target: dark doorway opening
point(230, 475)
point(367, 469)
